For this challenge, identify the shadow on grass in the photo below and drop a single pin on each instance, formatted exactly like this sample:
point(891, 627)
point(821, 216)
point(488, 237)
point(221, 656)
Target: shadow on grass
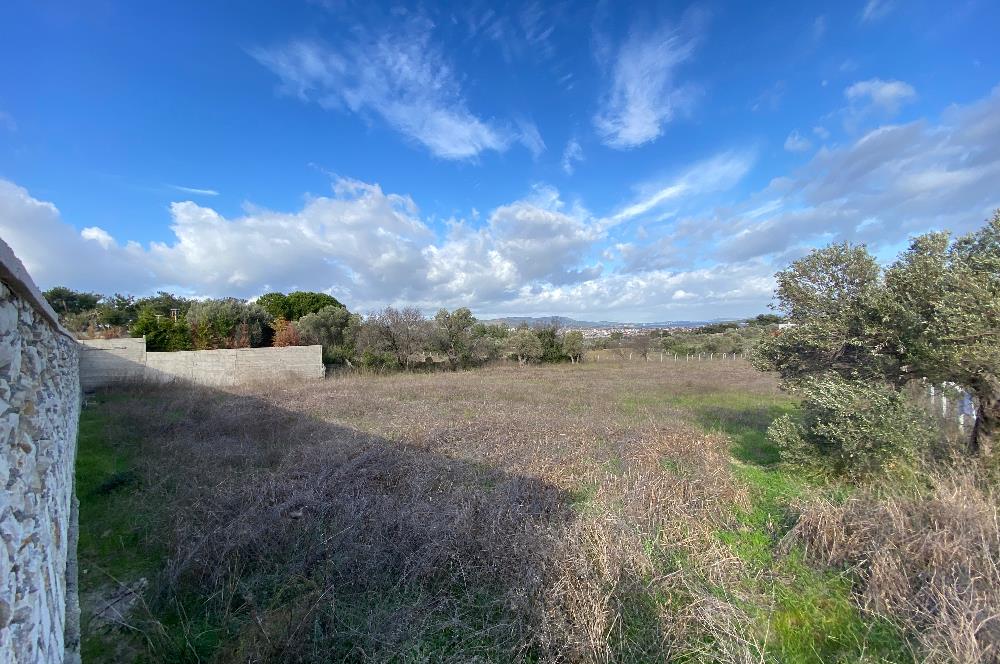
point(743, 417)
point(263, 534)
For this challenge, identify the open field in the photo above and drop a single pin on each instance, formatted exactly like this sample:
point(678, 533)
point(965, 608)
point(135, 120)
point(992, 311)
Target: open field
point(596, 512)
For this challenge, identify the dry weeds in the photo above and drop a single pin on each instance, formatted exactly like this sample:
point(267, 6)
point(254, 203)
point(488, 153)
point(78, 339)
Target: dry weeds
point(561, 514)
point(928, 558)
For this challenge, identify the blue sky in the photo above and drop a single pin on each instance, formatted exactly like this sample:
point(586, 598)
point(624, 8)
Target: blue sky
point(609, 160)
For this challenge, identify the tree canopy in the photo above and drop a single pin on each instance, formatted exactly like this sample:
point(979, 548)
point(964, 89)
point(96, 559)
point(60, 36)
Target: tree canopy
point(934, 313)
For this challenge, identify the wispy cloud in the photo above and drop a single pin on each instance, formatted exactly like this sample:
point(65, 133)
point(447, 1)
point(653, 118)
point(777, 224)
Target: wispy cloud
point(530, 137)
point(194, 190)
point(7, 122)
point(400, 76)
point(716, 174)
point(876, 9)
point(643, 95)
point(796, 142)
point(572, 154)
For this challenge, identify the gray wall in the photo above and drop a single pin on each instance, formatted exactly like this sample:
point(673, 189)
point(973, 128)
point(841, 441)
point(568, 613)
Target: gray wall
point(106, 361)
point(39, 416)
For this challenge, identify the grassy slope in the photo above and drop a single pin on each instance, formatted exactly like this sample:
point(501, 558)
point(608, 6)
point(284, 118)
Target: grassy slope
point(811, 617)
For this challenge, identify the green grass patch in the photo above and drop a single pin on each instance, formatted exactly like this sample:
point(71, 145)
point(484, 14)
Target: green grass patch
point(742, 416)
point(112, 523)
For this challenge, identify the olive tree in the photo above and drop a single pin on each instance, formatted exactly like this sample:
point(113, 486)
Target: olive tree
point(573, 345)
point(334, 328)
point(525, 346)
point(934, 313)
point(453, 335)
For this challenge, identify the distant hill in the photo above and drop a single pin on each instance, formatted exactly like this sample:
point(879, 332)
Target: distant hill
point(570, 323)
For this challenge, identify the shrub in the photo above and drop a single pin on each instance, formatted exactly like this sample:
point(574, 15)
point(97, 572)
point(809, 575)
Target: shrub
point(162, 332)
point(853, 428)
point(552, 349)
point(335, 328)
point(371, 359)
point(219, 324)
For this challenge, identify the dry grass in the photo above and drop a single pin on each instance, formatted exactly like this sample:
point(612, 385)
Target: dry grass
point(929, 558)
point(572, 513)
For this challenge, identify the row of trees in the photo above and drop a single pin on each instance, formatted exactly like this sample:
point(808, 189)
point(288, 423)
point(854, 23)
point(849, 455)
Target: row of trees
point(390, 338)
point(862, 333)
point(403, 338)
point(728, 337)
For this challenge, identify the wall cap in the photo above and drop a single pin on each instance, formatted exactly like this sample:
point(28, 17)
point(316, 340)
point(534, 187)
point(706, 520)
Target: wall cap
point(16, 277)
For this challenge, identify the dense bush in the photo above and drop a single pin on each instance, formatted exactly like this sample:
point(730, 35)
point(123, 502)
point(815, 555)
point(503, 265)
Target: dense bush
point(335, 328)
point(552, 349)
point(163, 333)
point(851, 427)
point(229, 323)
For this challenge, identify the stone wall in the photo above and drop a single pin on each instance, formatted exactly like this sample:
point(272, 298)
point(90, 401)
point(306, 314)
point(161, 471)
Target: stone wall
point(106, 361)
point(39, 415)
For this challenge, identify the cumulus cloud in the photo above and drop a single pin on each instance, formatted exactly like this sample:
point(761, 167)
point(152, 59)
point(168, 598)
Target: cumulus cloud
point(685, 256)
point(643, 95)
point(401, 77)
point(796, 142)
point(887, 96)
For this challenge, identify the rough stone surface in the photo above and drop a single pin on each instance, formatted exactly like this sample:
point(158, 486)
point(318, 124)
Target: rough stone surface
point(39, 415)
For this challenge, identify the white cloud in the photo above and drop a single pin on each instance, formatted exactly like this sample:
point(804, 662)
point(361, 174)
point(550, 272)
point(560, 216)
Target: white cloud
point(887, 96)
point(401, 77)
point(540, 255)
point(876, 9)
point(892, 182)
point(822, 133)
point(643, 95)
point(716, 174)
point(98, 235)
point(530, 137)
point(572, 154)
point(796, 142)
point(194, 190)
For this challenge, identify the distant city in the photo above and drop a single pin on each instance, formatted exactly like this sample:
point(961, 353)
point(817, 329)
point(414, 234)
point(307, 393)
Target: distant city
point(598, 329)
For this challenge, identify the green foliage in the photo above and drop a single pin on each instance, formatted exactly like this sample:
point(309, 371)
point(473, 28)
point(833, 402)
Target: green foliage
point(295, 305)
point(765, 319)
point(715, 328)
point(492, 331)
point(572, 343)
point(334, 328)
point(381, 360)
point(118, 310)
point(934, 313)
point(525, 346)
point(229, 323)
point(453, 336)
point(851, 427)
point(162, 333)
point(552, 350)
point(68, 301)
point(163, 302)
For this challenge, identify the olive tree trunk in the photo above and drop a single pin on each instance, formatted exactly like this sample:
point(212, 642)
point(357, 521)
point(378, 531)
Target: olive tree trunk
point(987, 429)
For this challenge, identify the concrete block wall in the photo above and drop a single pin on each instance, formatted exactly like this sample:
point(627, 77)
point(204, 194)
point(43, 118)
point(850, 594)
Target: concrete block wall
point(106, 361)
point(39, 416)
point(120, 359)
